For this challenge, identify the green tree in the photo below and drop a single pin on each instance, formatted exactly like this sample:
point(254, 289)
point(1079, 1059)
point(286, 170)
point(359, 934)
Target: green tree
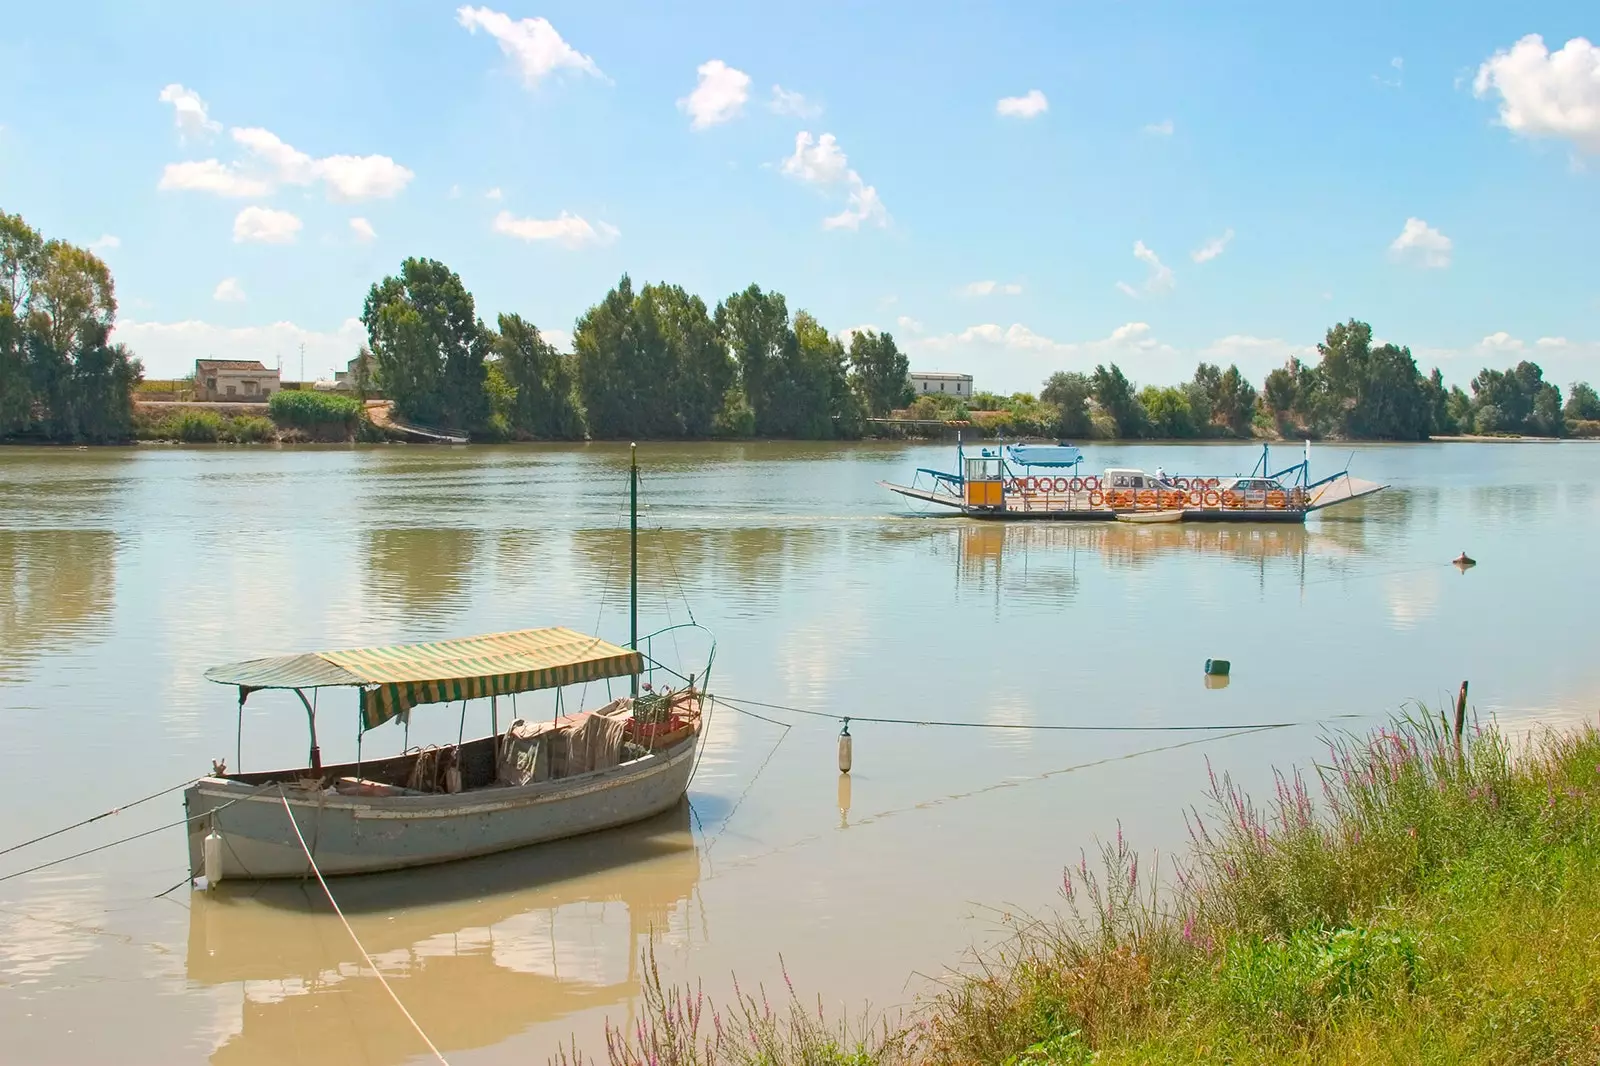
point(1436, 404)
point(625, 367)
point(1233, 403)
point(1583, 404)
point(880, 372)
point(816, 385)
point(1167, 412)
point(1069, 392)
point(1523, 401)
point(428, 344)
point(702, 371)
point(755, 325)
point(543, 402)
point(1114, 393)
point(1278, 394)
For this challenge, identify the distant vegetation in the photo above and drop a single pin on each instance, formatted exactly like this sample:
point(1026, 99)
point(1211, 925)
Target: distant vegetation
point(658, 363)
point(60, 377)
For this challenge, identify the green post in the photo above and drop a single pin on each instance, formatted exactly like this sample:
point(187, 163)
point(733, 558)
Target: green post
point(633, 557)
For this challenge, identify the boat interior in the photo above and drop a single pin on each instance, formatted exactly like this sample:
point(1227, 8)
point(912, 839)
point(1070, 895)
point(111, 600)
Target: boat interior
point(565, 747)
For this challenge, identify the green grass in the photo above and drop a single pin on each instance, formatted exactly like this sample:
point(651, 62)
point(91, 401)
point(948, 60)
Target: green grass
point(1408, 903)
point(205, 427)
point(313, 411)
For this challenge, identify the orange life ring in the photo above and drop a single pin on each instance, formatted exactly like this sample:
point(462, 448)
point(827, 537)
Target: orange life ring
point(1276, 500)
point(1061, 484)
point(1024, 484)
point(1174, 499)
point(1076, 484)
point(1230, 498)
point(1211, 499)
point(1091, 482)
point(1182, 483)
point(1147, 498)
point(1196, 497)
point(1096, 498)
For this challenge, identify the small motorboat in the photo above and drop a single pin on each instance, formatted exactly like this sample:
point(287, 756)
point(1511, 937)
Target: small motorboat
point(1149, 517)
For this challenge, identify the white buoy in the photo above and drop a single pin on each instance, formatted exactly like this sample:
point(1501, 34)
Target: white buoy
point(845, 748)
point(212, 851)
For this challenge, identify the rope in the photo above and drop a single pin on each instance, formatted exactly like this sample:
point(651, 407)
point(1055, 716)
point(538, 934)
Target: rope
point(329, 892)
point(1027, 725)
point(124, 840)
point(752, 784)
point(96, 818)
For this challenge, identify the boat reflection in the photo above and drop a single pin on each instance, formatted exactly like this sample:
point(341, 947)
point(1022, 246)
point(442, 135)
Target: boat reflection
point(478, 951)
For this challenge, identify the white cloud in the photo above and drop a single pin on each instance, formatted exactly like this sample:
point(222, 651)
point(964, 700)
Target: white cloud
point(1553, 342)
point(188, 112)
point(1161, 278)
point(352, 177)
point(533, 44)
point(559, 339)
point(1501, 342)
point(1212, 248)
point(363, 229)
point(719, 95)
point(820, 160)
point(1163, 128)
point(1544, 93)
point(1249, 351)
point(1394, 81)
point(169, 349)
point(1015, 357)
point(494, 194)
point(990, 288)
point(785, 102)
point(106, 242)
point(567, 230)
point(1029, 106)
point(228, 290)
point(265, 225)
point(208, 175)
point(909, 324)
point(347, 177)
point(1421, 244)
point(864, 206)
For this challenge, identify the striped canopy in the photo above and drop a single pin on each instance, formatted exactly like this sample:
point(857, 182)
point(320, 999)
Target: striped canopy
point(396, 678)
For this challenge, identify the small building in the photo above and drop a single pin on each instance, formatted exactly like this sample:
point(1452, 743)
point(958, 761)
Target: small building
point(244, 380)
point(923, 382)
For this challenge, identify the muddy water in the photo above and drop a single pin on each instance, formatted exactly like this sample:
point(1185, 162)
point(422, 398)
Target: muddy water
point(123, 574)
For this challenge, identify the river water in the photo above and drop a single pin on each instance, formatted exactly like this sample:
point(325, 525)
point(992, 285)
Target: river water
point(125, 573)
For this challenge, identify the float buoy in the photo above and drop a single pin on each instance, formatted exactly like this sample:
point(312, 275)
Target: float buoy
point(846, 744)
point(1463, 561)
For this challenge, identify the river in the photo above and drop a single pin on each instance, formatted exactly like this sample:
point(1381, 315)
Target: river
point(124, 573)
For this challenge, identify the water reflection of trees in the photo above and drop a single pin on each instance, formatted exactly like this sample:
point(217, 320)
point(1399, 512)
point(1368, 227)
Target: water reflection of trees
point(426, 572)
point(753, 559)
point(479, 951)
point(57, 587)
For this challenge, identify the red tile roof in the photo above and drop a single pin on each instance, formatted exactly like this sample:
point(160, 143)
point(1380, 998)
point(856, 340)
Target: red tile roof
point(229, 364)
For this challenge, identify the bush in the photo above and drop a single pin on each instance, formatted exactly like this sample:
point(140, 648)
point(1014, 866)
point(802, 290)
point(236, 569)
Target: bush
point(314, 411)
point(249, 429)
point(193, 427)
point(1579, 427)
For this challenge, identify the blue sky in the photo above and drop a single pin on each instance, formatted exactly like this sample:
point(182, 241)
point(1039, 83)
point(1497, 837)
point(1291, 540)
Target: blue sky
point(1010, 190)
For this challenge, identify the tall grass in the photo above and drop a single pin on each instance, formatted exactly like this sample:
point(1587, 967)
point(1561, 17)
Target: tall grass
point(1412, 899)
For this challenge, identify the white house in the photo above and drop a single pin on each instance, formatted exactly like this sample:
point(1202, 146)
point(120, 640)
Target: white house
point(233, 379)
point(936, 381)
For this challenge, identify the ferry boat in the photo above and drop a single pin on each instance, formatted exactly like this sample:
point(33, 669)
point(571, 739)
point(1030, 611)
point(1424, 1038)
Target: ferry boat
point(1047, 482)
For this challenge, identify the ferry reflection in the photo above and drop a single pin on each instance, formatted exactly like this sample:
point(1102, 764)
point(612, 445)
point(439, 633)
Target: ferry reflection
point(478, 951)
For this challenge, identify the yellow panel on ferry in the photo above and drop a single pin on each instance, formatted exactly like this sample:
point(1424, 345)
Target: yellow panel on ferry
point(985, 494)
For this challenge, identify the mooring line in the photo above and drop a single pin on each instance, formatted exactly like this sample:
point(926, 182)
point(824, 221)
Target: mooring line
point(329, 892)
point(96, 818)
point(1044, 727)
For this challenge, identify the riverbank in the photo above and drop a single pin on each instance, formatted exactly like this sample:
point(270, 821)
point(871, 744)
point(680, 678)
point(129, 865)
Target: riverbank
point(1432, 904)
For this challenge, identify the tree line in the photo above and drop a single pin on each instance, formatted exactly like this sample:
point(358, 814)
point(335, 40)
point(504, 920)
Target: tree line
point(653, 362)
point(1354, 391)
point(60, 377)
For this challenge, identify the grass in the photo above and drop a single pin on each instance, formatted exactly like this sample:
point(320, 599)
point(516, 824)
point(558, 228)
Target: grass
point(313, 411)
point(205, 427)
point(1408, 902)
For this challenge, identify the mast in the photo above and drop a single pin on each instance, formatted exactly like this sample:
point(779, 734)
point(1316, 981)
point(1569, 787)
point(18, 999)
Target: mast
point(633, 556)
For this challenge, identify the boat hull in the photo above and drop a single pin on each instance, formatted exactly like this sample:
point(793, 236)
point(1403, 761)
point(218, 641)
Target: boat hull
point(1076, 508)
point(368, 834)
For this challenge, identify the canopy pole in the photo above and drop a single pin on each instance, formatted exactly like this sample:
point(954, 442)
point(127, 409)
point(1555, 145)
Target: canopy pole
point(238, 738)
point(494, 719)
point(633, 557)
point(311, 719)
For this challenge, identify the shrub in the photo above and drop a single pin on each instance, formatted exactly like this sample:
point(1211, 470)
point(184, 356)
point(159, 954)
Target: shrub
point(249, 429)
point(314, 411)
point(193, 427)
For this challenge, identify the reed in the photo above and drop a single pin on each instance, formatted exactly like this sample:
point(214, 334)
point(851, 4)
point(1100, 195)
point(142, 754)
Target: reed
point(1406, 901)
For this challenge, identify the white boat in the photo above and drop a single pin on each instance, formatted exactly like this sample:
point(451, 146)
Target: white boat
point(619, 763)
point(1148, 517)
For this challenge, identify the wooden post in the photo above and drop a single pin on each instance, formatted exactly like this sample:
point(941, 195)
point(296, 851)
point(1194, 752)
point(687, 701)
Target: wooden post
point(1461, 715)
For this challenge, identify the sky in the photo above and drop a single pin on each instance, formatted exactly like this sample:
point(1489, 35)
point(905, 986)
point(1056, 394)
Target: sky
point(1010, 189)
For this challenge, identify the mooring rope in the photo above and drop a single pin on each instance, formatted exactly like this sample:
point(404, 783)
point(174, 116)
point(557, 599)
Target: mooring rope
point(335, 903)
point(96, 818)
point(1048, 727)
point(124, 840)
